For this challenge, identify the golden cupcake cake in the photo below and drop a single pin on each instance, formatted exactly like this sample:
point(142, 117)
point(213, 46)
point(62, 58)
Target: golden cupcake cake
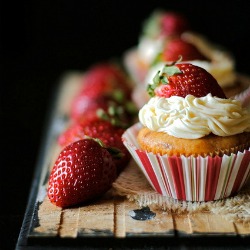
point(192, 142)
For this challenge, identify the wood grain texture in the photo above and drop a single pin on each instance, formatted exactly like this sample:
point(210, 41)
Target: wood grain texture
point(110, 217)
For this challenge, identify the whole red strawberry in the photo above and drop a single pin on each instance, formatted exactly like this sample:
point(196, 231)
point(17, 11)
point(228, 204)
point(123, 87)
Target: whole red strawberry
point(104, 79)
point(85, 107)
point(173, 23)
point(84, 170)
point(165, 24)
point(88, 109)
point(109, 134)
point(182, 79)
point(175, 48)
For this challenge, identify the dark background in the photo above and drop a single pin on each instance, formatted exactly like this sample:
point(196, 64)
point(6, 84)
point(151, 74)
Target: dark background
point(41, 40)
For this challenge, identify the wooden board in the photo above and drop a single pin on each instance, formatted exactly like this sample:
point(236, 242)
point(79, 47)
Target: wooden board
point(111, 221)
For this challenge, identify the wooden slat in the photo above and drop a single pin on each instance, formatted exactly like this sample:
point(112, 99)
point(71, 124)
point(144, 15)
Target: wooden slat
point(210, 224)
point(97, 219)
point(119, 217)
point(182, 224)
point(69, 223)
point(242, 229)
point(49, 217)
point(161, 224)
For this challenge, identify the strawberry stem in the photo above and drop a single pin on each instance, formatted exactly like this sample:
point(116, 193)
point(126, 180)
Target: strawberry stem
point(115, 152)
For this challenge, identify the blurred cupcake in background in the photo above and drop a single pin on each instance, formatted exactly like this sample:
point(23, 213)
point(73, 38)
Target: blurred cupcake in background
point(167, 36)
point(156, 29)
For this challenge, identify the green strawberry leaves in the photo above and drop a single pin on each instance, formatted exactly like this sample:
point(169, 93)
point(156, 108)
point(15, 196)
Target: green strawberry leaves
point(171, 70)
point(115, 152)
point(161, 77)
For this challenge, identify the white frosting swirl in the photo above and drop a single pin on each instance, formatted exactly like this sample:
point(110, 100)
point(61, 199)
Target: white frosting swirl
point(193, 117)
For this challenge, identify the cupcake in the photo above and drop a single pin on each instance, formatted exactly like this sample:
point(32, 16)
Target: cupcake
point(192, 143)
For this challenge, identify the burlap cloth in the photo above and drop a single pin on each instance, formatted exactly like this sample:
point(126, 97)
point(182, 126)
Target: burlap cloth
point(134, 186)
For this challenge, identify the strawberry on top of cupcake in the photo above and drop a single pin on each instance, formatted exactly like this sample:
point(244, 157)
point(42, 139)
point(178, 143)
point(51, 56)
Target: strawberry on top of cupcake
point(182, 79)
point(162, 24)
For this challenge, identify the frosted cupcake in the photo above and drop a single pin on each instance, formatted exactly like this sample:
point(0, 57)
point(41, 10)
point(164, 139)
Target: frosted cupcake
point(192, 143)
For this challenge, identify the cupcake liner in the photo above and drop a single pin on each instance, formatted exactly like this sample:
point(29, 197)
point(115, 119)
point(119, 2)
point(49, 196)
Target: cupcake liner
point(190, 178)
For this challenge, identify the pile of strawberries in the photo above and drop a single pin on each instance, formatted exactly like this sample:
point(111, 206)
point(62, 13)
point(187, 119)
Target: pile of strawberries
point(93, 154)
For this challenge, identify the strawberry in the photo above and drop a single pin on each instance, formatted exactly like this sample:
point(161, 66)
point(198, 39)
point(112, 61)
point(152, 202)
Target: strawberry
point(105, 92)
point(85, 109)
point(175, 48)
point(181, 79)
point(84, 170)
point(103, 79)
point(73, 133)
point(173, 23)
point(103, 130)
point(165, 24)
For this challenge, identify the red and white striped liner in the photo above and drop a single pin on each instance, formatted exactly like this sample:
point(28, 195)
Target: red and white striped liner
point(190, 178)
